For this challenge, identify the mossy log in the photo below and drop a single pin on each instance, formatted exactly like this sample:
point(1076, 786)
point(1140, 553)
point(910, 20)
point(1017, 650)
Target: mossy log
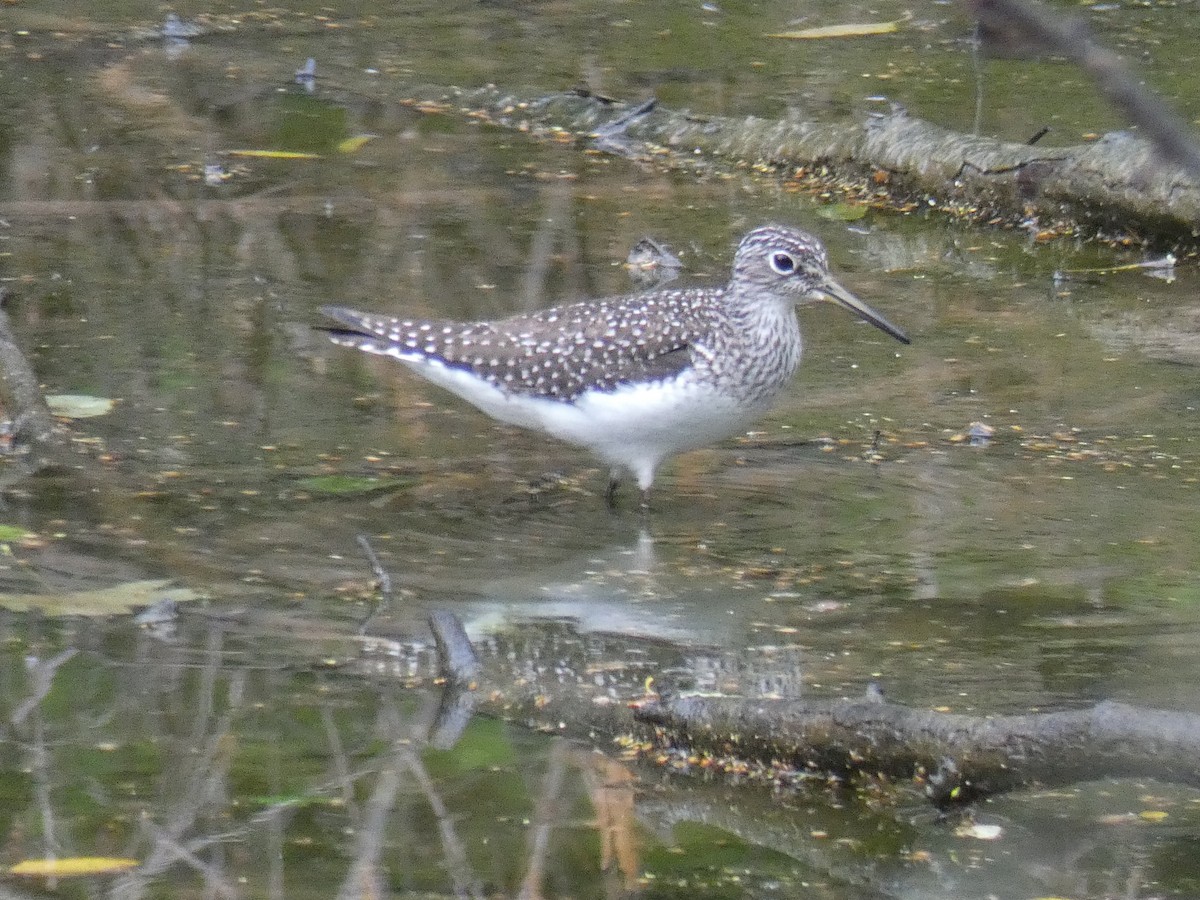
point(551, 678)
point(1117, 187)
point(955, 757)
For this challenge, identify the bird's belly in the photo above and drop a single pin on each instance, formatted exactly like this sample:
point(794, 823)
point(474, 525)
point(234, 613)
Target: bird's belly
point(648, 421)
point(514, 409)
point(630, 425)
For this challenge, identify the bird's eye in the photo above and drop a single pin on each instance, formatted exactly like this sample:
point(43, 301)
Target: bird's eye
point(783, 263)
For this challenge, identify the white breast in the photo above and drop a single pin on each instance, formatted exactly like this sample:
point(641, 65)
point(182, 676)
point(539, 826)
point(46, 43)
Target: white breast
point(634, 427)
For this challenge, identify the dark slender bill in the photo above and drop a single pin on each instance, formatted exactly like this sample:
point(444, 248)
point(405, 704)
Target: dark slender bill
point(843, 298)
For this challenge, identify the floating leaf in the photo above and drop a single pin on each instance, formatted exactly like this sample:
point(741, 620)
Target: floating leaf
point(78, 406)
point(979, 832)
point(274, 154)
point(73, 866)
point(356, 143)
point(13, 533)
point(121, 598)
point(861, 29)
point(843, 212)
point(351, 484)
point(1152, 815)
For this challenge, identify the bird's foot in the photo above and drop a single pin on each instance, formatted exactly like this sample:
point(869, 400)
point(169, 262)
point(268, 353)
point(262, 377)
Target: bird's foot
point(610, 493)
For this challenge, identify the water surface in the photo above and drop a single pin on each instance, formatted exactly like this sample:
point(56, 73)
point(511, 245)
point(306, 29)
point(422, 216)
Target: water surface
point(858, 534)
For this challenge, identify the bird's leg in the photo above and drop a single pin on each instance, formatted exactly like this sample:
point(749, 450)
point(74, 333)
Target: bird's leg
point(610, 493)
point(645, 478)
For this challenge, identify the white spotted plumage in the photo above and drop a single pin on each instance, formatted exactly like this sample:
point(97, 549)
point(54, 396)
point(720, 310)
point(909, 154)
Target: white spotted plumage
point(634, 379)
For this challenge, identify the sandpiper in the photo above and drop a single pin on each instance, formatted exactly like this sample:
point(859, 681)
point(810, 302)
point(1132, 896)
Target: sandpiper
point(638, 378)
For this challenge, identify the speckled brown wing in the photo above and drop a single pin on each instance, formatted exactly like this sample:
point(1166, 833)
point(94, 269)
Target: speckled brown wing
point(557, 353)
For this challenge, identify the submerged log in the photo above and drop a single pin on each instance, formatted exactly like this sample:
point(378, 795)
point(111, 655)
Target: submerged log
point(1117, 186)
point(551, 678)
point(19, 386)
point(955, 757)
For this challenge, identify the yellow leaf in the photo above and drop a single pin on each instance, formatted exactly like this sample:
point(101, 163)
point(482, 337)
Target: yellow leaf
point(1152, 815)
point(73, 866)
point(78, 406)
point(861, 29)
point(274, 154)
point(116, 600)
point(356, 143)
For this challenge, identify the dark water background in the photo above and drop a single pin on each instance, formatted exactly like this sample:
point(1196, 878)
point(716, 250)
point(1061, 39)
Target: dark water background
point(1053, 567)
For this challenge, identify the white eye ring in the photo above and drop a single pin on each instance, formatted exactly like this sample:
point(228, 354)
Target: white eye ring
point(783, 263)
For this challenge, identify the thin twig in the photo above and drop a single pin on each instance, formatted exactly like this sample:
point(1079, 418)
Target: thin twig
point(381, 576)
point(1041, 28)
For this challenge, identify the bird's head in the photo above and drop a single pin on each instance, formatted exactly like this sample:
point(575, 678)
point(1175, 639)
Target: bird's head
point(792, 264)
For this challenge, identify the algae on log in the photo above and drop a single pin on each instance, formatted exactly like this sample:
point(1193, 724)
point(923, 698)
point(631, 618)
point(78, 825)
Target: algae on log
point(1117, 186)
point(551, 678)
point(958, 757)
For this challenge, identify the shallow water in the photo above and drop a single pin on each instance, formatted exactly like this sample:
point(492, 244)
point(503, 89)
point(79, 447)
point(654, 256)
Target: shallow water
point(261, 746)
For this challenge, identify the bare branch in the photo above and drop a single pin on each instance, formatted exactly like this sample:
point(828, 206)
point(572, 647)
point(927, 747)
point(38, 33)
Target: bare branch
point(957, 757)
point(1069, 37)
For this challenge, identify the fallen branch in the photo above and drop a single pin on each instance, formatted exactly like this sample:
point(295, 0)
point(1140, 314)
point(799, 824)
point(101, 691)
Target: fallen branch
point(1118, 185)
point(952, 758)
point(955, 757)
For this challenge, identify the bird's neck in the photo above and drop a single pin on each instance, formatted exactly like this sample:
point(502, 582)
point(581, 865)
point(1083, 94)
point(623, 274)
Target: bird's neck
point(770, 346)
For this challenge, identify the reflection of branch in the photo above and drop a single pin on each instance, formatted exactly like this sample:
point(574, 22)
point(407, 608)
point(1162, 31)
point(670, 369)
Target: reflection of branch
point(211, 765)
point(167, 850)
point(341, 770)
point(381, 574)
point(363, 878)
point(610, 784)
point(846, 869)
point(544, 818)
point(466, 884)
point(40, 762)
point(40, 767)
point(207, 771)
point(43, 680)
point(454, 713)
point(1038, 27)
point(556, 217)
